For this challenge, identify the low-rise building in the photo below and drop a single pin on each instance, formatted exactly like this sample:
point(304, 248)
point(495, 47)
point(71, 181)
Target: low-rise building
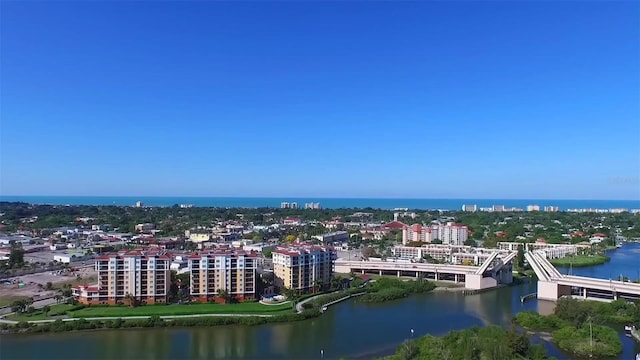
point(146, 227)
point(334, 237)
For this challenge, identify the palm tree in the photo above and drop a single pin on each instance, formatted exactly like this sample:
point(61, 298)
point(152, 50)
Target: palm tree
point(46, 309)
point(58, 298)
point(130, 299)
point(223, 294)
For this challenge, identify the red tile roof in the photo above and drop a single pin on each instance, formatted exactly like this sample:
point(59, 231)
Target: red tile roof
point(394, 225)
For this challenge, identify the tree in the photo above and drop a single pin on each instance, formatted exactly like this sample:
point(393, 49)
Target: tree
point(290, 238)
point(436, 241)
point(368, 252)
point(48, 286)
point(16, 256)
point(130, 299)
point(520, 258)
point(223, 294)
point(58, 298)
point(46, 309)
point(291, 295)
point(470, 242)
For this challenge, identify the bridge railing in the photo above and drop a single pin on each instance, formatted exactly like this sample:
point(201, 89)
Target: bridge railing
point(537, 268)
point(485, 265)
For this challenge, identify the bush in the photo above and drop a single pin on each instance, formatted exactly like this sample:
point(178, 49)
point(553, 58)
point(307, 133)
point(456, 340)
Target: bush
point(533, 321)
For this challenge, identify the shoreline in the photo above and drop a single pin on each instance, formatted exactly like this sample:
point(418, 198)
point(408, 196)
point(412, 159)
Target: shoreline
point(203, 320)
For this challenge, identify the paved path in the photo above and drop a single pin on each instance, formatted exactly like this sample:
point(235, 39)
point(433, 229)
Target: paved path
point(299, 307)
point(164, 317)
point(36, 305)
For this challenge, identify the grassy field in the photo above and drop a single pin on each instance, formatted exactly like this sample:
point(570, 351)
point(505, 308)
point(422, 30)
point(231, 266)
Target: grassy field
point(161, 310)
point(7, 300)
point(580, 260)
point(55, 310)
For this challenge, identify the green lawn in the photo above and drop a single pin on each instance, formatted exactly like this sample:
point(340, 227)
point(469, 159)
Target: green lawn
point(580, 260)
point(55, 310)
point(175, 309)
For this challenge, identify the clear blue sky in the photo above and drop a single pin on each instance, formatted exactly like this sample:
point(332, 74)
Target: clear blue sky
point(342, 99)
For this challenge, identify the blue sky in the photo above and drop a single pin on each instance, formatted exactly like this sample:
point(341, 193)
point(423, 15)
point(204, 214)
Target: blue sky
point(340, 99)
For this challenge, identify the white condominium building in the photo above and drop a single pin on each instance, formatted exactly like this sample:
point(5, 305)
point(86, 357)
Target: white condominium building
point(449, 233)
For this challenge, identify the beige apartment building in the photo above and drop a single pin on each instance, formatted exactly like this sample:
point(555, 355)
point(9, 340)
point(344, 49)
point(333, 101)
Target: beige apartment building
point(303, 267)
point(226, 269)
point(145, 276)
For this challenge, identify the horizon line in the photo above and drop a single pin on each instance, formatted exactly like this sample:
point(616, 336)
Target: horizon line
point(284, 198)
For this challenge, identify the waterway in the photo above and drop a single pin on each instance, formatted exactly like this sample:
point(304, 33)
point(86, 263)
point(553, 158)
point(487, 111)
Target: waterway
point(351, 329)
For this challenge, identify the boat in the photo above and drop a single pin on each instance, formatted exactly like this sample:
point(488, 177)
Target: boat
point(638, 356)
point(324, 308)
point(628, 328)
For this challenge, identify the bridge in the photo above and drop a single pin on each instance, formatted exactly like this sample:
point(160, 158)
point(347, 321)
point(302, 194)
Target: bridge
point(553, 285)
point(495, 270)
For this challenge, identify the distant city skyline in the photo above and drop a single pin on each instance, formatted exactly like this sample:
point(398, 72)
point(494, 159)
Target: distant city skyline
point(422, 100)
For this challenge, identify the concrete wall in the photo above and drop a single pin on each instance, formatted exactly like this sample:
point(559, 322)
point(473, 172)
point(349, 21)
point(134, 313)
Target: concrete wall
point(548, 290)
point(477, 282)
point(342, 269)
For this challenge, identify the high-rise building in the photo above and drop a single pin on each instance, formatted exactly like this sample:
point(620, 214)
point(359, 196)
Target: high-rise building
point(551, 208)
point(134, 275)
point(312, 206)
point(533, 207)
point(285, 205)
point(303, 267)
point(294, 205)
point(223, 273)
point(416, 232)
point(471, 208)
point(449, 233)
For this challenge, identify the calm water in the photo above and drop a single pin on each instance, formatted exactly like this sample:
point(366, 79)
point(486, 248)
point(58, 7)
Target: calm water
point(330, 203)
point(348, 329)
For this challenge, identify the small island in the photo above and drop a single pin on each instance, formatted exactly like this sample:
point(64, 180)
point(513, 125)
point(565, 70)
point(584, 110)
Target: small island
point(490, 342)
point(580, 327)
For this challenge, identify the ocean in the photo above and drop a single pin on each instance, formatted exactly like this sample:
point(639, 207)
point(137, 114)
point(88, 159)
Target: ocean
point(327, 203)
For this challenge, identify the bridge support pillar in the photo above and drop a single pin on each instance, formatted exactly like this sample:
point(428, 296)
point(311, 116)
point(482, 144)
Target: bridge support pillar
point(436, 277)
point(615, 296)
point(455, 278)
point(380, 272)
point(417, 274)
point(398, 273)
point(584, 293)
point(362, 272)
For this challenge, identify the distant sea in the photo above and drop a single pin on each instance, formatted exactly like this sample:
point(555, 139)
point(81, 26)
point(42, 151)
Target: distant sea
point(330, 203)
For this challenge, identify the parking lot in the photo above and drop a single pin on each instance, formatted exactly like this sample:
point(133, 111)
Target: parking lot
point(349, 255)
point(11, 288)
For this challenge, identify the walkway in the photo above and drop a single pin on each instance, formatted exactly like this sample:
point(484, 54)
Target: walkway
point(164, 317)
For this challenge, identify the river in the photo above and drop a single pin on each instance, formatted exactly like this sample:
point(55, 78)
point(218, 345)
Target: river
point(351, 329)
